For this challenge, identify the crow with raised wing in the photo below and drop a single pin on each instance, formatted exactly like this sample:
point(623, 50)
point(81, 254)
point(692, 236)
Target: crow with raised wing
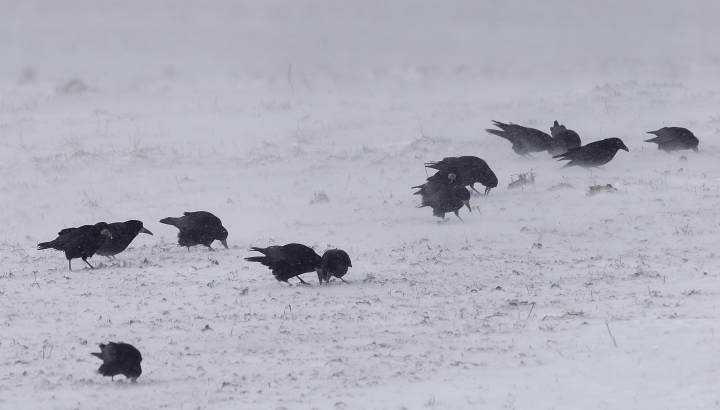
point(119, 358)
point(122, 234)
point(464, 171)
point(334, 263)
point(81, 242)
point(524, 140)
point(594, 154)
point(288, 261)
point(443, 197)
point(198, 228)
point(563, 139)
point(674, 139)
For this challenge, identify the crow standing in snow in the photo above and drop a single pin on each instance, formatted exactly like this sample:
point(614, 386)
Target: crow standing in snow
point(464, 171)
point(119, 358)
point(443, 197)
point(122, 234)
point(288, 261)
point(198, 228)
point(594, 154)
point(563, 139)
point(81, 242)
point(335, 262)
point(524, 140)
point(674, 139)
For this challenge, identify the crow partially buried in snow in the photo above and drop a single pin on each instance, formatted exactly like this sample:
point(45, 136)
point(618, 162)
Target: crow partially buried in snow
point(81, 242)
point(335, 262)
point(119, 358)
point(674, 139)
point(464, 171)
point(563, 139)
point(524, 140)
point(443, 197)
point(288, 261)
point(198, 228)
point(122, 234)
point(594, 154)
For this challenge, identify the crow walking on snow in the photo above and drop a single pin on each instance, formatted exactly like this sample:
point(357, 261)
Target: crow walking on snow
point(335, 262)
point(81, 242)
point(119, 358)
point(674, 139)
point(443, 198)
point(122, 234)
point(198, 228)
point(524, 140)
point(594, 154)
point(288, 261)
point(464, 171)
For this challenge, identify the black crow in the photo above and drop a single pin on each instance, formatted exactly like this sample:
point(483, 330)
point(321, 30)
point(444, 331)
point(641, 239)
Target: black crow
point(122, 234)
point(463, 171)
point(335, 262)
point(524, 140)
point(288, 261)
point(80, 242)
point(563, 139)
point(198, 228)
point(674, 139)
point(443, 198)
point(594, 154)
point(119, 358)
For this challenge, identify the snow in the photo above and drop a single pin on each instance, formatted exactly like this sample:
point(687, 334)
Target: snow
point(137, 110)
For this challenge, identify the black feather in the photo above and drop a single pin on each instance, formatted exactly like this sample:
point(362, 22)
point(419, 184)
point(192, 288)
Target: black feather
point(82, 242)
point(119, 358)
point(288, 261)
point(198, 228)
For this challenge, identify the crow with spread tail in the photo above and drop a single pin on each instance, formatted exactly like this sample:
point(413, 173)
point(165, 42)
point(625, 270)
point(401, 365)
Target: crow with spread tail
point(122, 234)
point(198, 228)
point(524, 140)
point(119, 358)
point(81, 242)
point(443, 197)
point(289, 261)
point(674, 139)
point(563, 139)
point(334, 263)
point(464, 171)
point(594, 154)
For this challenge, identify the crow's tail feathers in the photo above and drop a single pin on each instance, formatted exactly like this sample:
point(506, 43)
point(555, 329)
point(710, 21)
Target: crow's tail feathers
point(46, 245)
point(261, 259)
point(168, 221)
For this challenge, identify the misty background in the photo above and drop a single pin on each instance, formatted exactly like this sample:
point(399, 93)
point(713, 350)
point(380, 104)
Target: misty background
point(131, 40)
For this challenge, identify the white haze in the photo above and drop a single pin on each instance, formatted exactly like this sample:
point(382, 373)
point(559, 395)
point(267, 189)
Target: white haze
point(142, 110)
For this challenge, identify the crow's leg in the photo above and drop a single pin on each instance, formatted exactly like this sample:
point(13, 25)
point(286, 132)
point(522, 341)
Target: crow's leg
point(88, 263)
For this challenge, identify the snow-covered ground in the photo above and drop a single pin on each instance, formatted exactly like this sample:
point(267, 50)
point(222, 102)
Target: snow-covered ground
point(116, 111)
